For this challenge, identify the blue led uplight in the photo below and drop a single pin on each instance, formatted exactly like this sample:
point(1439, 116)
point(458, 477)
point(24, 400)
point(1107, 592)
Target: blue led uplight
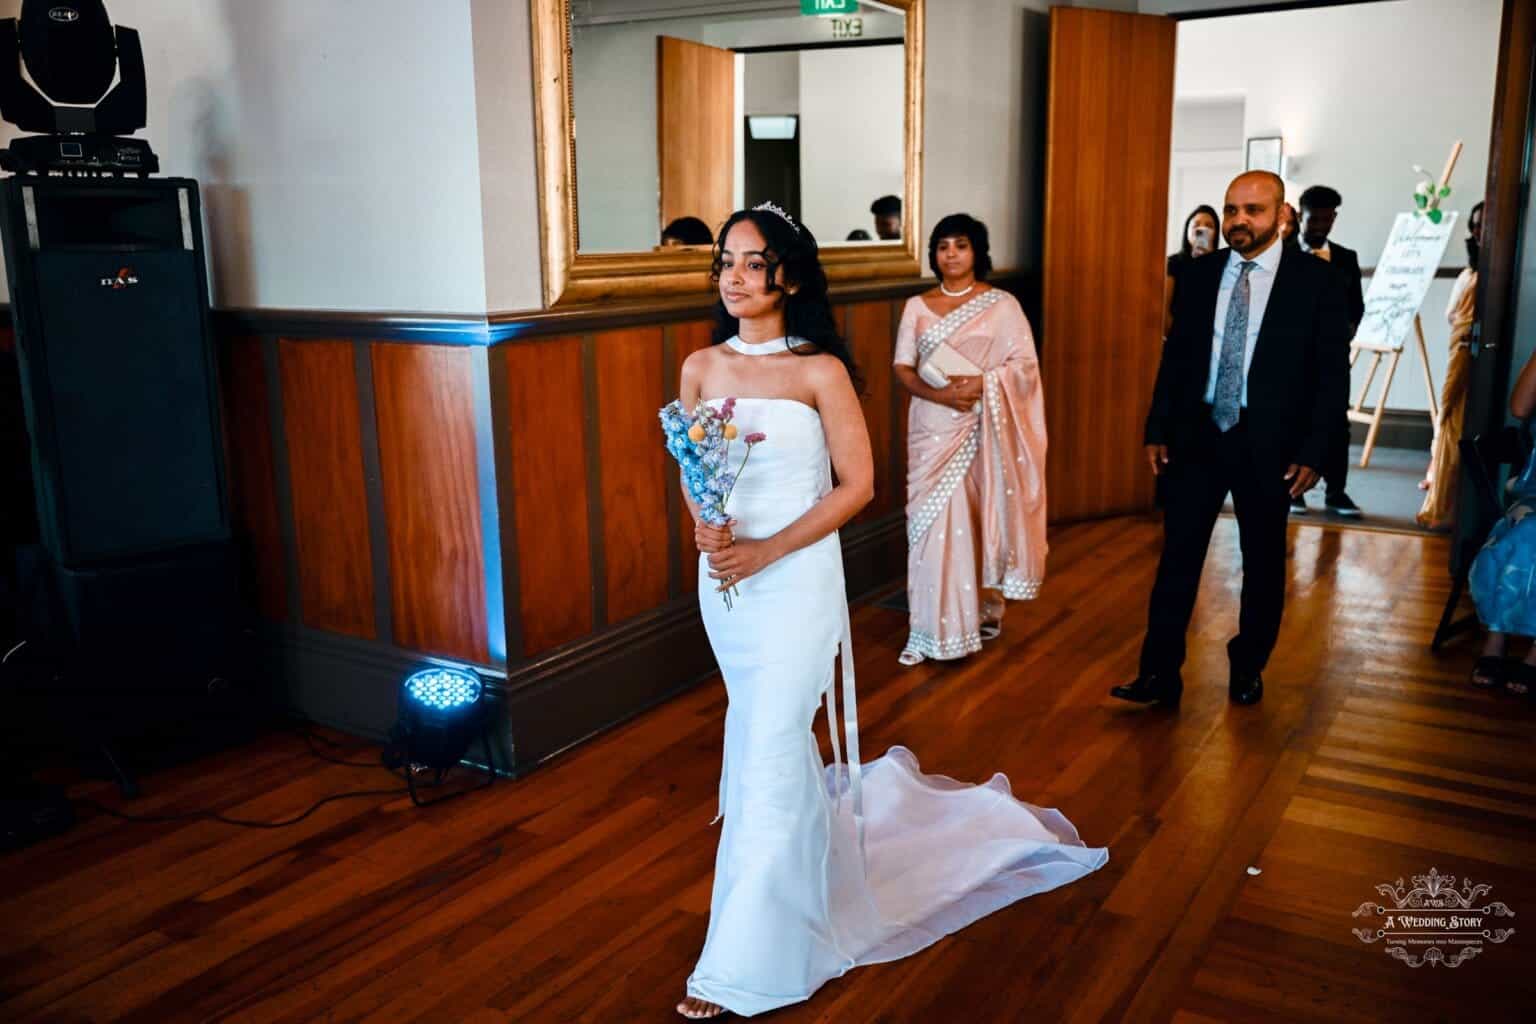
point(443, 689)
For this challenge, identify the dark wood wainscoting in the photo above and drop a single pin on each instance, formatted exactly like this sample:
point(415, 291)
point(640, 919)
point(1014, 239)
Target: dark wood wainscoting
point(494, 493)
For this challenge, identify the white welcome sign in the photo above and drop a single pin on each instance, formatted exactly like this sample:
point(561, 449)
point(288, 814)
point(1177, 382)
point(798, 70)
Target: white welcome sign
point(1402, 279)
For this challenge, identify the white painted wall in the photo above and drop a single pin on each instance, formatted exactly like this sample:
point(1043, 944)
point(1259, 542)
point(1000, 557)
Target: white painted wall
point(1207, 152)
point(984, 122)
point(851, 151)
point(772, 82)
point(294, 114)
point(1361, 93)
point(509, 194)
point(335, 143)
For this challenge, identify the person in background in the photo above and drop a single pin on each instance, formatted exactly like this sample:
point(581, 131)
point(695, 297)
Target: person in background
point(1288, 221)
point(1500, 579)
point(1202, 229)
point(1214, 428)
point(687, 231)
point(1445, 459)
point(887, 212)
point(975, 450)
point(1319, 209)
point(858, 235)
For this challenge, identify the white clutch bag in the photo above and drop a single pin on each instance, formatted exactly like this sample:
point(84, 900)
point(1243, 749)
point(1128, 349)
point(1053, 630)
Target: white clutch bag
point(943, 363)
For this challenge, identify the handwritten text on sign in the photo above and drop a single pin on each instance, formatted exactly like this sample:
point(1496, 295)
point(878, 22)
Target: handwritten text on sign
point(1402, 279)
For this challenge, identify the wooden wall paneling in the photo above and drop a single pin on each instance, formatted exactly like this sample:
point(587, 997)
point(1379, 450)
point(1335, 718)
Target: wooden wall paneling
point(695, 130)
point(871, 334)
point(900, 400)
point(253, 475)
point(674, 500)
point(632, 470)
point(545, 430)
point(424, 403)
point(1106, 217)
point(330, 511)
point(687, 338)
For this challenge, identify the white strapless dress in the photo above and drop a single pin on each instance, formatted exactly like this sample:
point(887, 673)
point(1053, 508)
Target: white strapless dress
point(822, 868)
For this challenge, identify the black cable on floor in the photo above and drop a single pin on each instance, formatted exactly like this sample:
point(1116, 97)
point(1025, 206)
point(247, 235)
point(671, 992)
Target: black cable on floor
point(310, 736)
point(215, 816)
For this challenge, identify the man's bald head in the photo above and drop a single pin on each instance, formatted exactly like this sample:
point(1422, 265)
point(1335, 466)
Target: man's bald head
point(1250, 217)
point(1269, 178)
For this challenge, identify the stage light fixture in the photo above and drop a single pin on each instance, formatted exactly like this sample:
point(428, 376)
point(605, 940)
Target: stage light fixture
point(442, 710)
point(67, 72)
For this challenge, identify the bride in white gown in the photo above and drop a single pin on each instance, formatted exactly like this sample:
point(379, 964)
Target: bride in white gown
point(820, 868)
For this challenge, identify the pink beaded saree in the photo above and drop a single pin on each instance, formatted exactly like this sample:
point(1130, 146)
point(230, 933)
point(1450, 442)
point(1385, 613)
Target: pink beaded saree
point(975, 480)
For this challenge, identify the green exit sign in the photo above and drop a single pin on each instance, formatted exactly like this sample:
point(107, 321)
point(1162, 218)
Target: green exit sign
point(819, 7)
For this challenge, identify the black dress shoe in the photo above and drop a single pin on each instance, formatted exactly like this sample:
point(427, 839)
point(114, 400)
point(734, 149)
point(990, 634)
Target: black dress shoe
point(1340, 505)
point(1151, 689)
point(1246, 688)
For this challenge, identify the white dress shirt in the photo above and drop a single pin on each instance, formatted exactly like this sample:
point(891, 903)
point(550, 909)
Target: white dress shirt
point(1261, 281)
point(1322, 251)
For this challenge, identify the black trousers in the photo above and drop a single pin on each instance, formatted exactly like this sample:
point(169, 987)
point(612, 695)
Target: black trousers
point(1335, 467)
point(1195, 486)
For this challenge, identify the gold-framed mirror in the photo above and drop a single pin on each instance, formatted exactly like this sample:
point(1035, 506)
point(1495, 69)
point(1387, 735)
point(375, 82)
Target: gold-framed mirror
point(655, 118)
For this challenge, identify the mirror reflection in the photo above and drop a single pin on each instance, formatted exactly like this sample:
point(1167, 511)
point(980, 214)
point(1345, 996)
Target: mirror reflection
point(685, 110)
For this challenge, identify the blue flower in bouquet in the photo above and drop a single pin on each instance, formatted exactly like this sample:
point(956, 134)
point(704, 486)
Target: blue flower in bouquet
point(700, 443)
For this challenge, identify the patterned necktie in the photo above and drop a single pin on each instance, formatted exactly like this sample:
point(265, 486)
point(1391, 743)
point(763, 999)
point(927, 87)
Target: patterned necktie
point(1234, 340)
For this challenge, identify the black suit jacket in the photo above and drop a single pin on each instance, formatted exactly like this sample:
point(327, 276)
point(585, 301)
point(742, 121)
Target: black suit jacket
point(1346, 263)
point(1298, 382)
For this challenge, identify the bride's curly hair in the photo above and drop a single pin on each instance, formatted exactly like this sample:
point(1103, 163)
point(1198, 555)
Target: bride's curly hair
point(793, 258)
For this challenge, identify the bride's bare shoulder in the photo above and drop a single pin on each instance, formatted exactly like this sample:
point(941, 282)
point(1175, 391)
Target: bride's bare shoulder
point(702, 357)
point(825, 372)
point(700, 361)
point(694, 372)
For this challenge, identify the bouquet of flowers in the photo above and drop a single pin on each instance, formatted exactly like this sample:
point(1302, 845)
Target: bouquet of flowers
point(700, 442)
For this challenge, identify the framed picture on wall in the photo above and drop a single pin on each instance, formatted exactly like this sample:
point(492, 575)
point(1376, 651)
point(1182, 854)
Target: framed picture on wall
point(1264, 153)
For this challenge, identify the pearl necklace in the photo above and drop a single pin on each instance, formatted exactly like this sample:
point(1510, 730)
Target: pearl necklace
point(955, 295)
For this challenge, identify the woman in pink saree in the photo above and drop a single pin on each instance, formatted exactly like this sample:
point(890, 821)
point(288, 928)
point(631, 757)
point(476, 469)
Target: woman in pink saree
point(975, 450)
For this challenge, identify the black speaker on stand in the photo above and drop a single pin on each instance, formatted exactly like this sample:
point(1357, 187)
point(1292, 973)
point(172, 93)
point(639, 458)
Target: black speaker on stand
point(127, 600)
point(133, 590)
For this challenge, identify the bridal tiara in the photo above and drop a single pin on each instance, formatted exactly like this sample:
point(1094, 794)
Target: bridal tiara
point(771, 207)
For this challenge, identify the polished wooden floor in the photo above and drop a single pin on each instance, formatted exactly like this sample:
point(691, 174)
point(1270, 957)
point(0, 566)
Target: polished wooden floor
point(581, 893)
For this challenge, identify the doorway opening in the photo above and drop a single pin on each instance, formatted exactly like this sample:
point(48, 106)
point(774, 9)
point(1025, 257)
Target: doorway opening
point(1365, 100)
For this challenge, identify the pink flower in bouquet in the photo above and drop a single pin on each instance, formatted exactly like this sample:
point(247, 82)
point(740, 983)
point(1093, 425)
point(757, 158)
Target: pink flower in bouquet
point(756, 437)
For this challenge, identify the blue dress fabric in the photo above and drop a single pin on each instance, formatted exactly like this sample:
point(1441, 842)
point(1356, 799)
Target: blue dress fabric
point(1503, 577)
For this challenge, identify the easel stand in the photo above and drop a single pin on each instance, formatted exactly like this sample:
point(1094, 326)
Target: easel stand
point(1359, 414)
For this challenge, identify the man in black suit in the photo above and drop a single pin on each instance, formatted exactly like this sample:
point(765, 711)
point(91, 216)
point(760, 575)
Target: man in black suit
point(1319, 209)
point(1247, 400)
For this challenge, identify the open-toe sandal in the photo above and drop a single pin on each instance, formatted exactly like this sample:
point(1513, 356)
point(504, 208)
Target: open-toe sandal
point(1488, 673)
